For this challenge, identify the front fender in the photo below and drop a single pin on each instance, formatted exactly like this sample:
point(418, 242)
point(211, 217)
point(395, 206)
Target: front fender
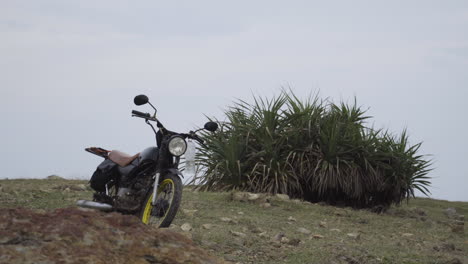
point(176, 172)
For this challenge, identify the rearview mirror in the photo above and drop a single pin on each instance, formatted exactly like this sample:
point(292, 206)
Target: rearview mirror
point(211, 126)
point(141, 99)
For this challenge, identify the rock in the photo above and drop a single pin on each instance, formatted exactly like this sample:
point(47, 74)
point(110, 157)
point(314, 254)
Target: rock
point(238, 234)
point(240, 213)
point(78, 188)
point(228, 220)
point(323, 224)
point(278, 237)
point(283, 197)
point(407, 235)
point(291, 219)
point(450, 212)
point(207, 226)
point(263, 234)
point(239, 196)
point(303, 231)
point(238, 252)
point(186, 227)
point(284, 240)
point(335, 230)
point(354, 235)
point(247, 197)
point(253, 196)
point(69, 235)
point(460, 218)
point(317, 236)
point(188, 212)
point(54, 177)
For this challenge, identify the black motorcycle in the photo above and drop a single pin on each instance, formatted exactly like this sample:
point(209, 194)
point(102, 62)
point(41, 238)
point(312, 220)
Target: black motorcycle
point(147, 184)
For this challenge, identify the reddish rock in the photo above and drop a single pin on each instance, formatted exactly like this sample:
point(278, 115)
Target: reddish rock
point(73, 235)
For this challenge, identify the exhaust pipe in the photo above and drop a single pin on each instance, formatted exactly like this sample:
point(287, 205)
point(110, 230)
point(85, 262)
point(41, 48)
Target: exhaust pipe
point(94, 205)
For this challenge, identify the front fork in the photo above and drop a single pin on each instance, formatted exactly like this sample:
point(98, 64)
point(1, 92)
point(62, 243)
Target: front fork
point(155, 188)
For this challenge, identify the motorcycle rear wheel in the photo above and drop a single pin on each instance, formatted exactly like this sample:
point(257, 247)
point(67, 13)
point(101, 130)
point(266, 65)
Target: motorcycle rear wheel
point(167, 202)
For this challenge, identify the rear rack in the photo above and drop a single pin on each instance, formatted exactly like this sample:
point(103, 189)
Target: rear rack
point(99, 151)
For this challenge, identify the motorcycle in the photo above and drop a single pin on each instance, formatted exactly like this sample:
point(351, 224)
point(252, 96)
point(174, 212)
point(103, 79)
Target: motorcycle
point(147, 184)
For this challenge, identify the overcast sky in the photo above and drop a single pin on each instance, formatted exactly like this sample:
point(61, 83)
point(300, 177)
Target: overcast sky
point(69, 71)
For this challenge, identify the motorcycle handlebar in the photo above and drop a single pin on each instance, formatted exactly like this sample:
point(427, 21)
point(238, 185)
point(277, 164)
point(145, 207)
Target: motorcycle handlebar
point(194, 136)
point(198, 139)
point(148, 116)
point(140, 114)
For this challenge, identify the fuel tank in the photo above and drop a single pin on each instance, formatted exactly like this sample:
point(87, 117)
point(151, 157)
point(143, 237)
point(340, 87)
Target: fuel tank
point(149, 154)
point(127, 173)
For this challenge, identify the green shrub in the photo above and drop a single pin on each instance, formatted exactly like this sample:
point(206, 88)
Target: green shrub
point(312, 149)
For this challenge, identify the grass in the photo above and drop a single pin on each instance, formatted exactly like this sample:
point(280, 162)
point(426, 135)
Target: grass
point(383, 238)
point(41, 194)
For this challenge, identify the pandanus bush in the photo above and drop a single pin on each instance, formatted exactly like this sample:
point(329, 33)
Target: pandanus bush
point(311, 149)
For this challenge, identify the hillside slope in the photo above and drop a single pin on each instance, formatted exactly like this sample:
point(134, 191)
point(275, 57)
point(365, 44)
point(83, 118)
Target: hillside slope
point(247, 228)
point(75, 235)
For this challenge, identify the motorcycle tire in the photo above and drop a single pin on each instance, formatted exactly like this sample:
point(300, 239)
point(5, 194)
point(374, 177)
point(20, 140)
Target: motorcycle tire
point(162, 214)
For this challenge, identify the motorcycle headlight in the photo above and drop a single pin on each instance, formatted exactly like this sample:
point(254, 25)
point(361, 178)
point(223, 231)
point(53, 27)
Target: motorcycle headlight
point(177, 146)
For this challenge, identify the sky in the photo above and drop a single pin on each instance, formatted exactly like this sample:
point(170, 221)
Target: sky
point(69, 71)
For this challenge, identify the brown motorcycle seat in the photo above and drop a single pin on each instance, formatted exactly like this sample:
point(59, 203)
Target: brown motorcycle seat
point(122, 159)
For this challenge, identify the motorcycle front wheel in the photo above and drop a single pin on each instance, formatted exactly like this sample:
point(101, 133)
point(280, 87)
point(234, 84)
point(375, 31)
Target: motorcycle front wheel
point(167, 202)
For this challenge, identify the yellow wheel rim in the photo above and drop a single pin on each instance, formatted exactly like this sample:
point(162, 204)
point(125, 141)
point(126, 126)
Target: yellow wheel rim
point(149, 207)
